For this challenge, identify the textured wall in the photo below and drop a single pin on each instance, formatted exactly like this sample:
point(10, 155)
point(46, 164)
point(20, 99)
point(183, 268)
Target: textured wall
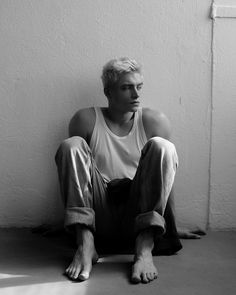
point(51, 57)
point(223, 156)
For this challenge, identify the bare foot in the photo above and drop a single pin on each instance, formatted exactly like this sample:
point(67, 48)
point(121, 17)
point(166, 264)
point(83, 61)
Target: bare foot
point(85, 256)
point(194, 233)
point(144, 270)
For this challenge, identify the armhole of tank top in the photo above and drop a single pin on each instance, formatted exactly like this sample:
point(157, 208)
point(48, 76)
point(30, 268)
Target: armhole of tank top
point(93, 136)
point(141, 127)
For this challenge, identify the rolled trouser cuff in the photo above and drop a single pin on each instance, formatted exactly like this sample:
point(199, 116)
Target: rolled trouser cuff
point(150, 219)
point(77, 215)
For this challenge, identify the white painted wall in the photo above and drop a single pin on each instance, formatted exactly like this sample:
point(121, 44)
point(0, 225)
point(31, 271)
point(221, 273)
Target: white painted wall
point(223, 156)
point(51, 57)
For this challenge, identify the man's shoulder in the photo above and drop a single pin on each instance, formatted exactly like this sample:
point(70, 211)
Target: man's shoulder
point(82, 123)
point(85, 114)
point(151, 113)
point(156, 123)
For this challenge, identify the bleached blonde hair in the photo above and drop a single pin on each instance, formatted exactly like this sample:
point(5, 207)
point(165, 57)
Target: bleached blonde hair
point(113, 69)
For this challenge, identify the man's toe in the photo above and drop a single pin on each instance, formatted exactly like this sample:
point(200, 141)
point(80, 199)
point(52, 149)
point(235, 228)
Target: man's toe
point(76, 273)
point(155, 275)
point(70, 273)
point(84, 275)
point(145, 280)
point(135, 278)
point(150, 276)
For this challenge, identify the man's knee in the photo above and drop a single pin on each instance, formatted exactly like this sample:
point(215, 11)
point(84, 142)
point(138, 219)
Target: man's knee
point(159, 145)
point(71, 144)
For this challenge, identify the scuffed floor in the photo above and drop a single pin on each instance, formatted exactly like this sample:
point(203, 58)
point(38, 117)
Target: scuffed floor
point(32, 264)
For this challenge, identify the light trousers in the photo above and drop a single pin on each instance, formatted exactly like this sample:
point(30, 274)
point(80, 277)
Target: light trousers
point(121, 206)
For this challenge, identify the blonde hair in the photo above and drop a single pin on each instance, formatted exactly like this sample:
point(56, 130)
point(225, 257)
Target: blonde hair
point(113, 69)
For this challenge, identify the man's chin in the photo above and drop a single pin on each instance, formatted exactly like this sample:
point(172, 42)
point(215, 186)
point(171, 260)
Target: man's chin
point(135, 108)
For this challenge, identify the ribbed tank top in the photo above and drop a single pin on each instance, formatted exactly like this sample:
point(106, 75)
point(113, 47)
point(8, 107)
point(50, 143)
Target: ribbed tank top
point(117, 156)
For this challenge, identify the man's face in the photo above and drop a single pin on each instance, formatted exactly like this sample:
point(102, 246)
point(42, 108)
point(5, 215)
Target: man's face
point(124, 95)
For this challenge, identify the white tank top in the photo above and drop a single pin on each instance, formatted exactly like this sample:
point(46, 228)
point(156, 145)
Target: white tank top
point(117, 156)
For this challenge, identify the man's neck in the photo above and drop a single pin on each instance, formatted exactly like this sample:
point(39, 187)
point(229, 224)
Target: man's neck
point(117, 117)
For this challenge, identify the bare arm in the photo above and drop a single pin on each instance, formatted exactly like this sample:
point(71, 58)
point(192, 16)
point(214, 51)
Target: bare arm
point(156, 124)
point(82, 124)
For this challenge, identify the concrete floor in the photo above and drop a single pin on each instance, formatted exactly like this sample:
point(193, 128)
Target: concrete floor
point(33, 264)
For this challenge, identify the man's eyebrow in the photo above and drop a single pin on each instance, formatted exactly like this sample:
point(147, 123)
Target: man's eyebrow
point(130, 84)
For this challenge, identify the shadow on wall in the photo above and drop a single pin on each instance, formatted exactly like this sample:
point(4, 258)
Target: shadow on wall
point(35, 122)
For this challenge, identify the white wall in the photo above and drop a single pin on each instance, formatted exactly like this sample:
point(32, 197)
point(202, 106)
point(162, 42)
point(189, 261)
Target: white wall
point(223, 156)
point(51, 57)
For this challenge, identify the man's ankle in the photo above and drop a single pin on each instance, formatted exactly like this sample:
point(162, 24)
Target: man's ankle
point(144, 242)
point(83, 233)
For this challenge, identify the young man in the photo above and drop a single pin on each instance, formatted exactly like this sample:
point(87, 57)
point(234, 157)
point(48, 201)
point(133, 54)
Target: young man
point(116, 173)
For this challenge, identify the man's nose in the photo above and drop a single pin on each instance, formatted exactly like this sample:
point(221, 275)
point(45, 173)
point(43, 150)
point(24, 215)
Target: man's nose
point(135, 94)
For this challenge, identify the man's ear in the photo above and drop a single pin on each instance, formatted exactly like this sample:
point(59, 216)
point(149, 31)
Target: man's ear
point(107, 92)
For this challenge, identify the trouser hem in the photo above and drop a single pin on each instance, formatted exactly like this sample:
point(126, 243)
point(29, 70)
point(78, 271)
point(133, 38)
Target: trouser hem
point(150, 219)
point(77, 215)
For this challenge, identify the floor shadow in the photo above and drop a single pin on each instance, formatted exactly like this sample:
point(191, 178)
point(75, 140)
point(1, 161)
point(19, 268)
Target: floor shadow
point(28, 259)
point(31, 259)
